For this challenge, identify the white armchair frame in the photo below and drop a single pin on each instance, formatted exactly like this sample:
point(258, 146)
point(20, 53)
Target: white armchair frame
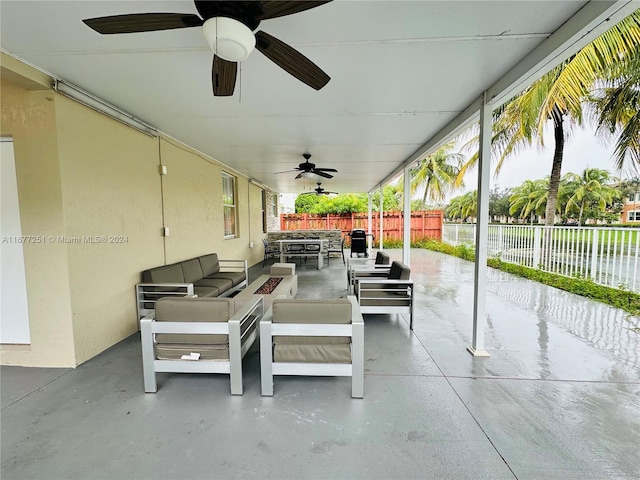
point(383, 289)
point(355, 370)
point(362, 271)
point(252, 311)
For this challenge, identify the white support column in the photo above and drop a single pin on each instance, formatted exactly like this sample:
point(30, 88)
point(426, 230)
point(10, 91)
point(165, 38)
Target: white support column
point(370, 223)
point(381, 219)
point(406, 237)
point(482, 232)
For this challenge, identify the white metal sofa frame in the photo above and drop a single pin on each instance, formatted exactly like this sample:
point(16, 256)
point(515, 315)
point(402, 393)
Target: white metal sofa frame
point(355, 369)
point(385, 295)
point(148, 293)
point(239, 343)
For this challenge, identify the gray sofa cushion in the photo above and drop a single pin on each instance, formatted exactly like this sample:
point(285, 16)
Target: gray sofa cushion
point(194, 310)
point(222, 284)
point(209, 264)
point(235, 277)
point(206, 291)
point(165, 274)
point(191, 270)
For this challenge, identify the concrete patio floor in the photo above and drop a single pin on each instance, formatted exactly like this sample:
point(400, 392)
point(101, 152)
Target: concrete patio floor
point(558, 398)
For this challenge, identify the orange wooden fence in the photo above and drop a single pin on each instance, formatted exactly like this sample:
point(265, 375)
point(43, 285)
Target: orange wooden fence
point(426, 224)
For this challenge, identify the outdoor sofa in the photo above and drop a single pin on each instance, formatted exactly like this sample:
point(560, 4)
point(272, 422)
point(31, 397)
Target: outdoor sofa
point(204, 276)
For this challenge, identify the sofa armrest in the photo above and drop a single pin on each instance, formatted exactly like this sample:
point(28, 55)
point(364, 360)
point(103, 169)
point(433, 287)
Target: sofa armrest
point(232, 265)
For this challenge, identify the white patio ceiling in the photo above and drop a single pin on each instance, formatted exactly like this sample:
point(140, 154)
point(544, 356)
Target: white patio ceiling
point(404, 76)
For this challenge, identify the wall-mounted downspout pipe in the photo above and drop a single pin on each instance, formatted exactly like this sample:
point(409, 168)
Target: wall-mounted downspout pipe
point(482, 232)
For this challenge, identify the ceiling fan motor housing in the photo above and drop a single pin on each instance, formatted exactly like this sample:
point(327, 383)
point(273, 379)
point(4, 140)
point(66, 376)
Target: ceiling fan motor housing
point(247, 13)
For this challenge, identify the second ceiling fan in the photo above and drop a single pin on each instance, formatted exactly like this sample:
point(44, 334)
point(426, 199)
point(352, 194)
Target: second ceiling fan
point(319, 191)
point(228, 27)
point(307, 169)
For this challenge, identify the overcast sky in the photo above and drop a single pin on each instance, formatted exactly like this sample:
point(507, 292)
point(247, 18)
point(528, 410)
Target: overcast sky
point(582, 150)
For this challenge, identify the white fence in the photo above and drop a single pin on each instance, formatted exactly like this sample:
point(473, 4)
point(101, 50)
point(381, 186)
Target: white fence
point(609, 256)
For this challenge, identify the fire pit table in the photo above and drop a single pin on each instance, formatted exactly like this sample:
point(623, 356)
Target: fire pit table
point(271, 287)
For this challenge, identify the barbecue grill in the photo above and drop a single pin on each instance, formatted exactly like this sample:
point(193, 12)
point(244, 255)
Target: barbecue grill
point(359, 242)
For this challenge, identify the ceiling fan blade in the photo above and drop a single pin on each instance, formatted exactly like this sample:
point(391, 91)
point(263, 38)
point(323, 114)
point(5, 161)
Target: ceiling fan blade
point(299, 176)
point(326, 169)
point(223, 77)
point(142, 22)
point(280, 8)
point(288, 171)
point(322, 174)
point(289, 59)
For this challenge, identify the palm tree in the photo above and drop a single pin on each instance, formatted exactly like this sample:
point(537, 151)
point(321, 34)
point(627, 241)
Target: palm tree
point(558, 96)
point(454, 209)
point(618, 104)
point(529, 199)
point(437, 173)
point(469, 204)
point(590, 189)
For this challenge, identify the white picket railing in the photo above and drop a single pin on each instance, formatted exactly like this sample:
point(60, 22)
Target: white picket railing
point(609, 256)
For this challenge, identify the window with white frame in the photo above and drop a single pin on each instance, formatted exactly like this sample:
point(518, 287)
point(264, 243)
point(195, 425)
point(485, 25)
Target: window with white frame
point(633, 216)
point(229, 205)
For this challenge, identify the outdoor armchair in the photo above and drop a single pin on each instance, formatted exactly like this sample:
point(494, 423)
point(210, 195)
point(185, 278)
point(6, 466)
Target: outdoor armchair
point(313, 337)
point(367, 267)
point(199, 335)
point(393, 294)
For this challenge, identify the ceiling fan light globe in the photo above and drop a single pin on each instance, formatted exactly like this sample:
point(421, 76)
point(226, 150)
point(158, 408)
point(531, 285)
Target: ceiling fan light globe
point(309, 175)
point(229, 39)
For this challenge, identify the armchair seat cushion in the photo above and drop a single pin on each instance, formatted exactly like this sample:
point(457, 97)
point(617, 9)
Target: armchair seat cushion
point(312, 352)
point(389, 299)
point(174, 351)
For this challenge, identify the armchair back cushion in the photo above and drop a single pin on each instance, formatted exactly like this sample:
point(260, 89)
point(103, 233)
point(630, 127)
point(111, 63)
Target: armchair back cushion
point(186, 309)
point(312, 349)
point(399, 271)
point(382, 258)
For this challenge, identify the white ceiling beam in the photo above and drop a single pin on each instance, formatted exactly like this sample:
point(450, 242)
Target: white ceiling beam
point(593, 19)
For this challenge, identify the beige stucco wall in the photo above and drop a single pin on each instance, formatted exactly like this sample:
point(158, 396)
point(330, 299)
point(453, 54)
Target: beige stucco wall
point(29, 117)
point(93, 188)
point(112, 209)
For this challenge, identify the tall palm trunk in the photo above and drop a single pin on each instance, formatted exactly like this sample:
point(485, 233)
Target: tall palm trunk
point(554, 180)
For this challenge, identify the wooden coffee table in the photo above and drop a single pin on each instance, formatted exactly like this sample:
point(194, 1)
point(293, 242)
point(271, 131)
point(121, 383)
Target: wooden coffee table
point(288, 287)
